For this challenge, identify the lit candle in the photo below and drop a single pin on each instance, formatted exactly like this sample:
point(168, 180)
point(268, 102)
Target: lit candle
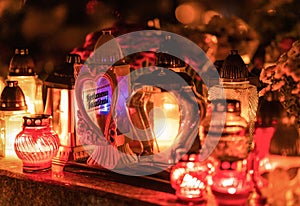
point(12, 109)
point(166, 118)
point(231, 187)
point(189, 178)
point(21, 69)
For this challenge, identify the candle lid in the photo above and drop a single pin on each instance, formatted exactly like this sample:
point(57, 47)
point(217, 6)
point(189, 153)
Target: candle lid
point(21, 64)
point(233, 68)
point(107, 50)
point(164, 59)
point(165, 79)
point(63, 76)
point(12, 97)
point(36, 120)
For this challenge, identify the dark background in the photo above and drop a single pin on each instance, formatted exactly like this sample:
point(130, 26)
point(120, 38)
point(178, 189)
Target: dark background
point(53, 28)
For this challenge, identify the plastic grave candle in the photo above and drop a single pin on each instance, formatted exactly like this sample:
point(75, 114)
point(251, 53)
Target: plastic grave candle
point(12, 108)
point(21, 69)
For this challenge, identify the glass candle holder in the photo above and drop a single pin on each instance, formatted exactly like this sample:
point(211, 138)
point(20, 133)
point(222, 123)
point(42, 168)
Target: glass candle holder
point(21, 69)
point(37, 143)
point(12, 108)
point(231, 187)
point(228, 140)
point(235, 83)
point(189, 177)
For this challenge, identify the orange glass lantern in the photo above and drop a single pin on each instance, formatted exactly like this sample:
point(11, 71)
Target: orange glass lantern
point(37, 143)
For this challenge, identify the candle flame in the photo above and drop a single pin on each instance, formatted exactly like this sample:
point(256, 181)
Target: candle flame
point(191, 182)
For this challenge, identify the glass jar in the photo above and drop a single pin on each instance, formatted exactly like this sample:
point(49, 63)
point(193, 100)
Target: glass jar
point(189, 177)
point(37, 143)
point(235, 83)
point(231, 187)
point(226, 140)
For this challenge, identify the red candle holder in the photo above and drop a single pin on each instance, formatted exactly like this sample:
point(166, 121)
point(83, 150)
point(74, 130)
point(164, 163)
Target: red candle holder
point(37, 143)
point(231, 187)
point(189, 178)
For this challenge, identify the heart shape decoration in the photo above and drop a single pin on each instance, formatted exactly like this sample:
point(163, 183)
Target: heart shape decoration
point(94, 92)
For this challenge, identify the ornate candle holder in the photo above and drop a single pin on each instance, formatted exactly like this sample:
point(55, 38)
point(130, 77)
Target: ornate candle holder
point(234, 82)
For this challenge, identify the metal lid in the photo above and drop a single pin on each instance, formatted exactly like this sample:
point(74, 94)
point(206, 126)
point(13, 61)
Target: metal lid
point(107, 50)
point(73, 58)
point(63, 77)
point(21, 64)
point(36, 120)
point(233, 68)
point(12, 97)
point(163, 59)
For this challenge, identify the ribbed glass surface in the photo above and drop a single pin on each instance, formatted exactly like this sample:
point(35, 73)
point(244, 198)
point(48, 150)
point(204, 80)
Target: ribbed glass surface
point(36, 146)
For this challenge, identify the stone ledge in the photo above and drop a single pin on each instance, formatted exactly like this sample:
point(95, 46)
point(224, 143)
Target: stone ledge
point(59, 187)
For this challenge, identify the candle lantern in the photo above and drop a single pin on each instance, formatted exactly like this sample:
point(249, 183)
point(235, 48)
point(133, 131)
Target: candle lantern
point(37, 143)
point(166, 60)
point(12, 108)
point(189, 177)
point(60, 105)
point(234, 82)
point(21, 69)
point(269, 116)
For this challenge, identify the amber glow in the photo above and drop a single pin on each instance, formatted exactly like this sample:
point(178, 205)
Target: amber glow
point(246, 58)
point(13, 127)
point(32, 89)
point(192, 182)
point(64, 117)
point(231, 183)
point(228, 182)
point(185, 13)
point(166, 120)
point(30, 104)
point(189, 179)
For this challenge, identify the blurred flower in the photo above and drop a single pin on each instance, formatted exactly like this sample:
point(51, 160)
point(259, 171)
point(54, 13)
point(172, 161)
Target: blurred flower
point(284, 77)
